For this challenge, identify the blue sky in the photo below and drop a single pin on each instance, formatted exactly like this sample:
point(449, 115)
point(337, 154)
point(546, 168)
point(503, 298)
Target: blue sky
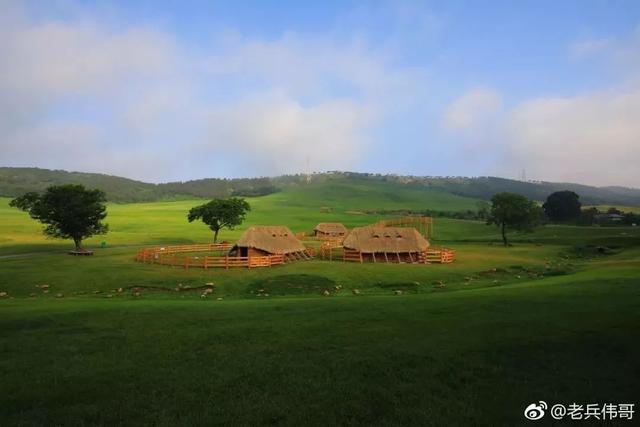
point(164, 91)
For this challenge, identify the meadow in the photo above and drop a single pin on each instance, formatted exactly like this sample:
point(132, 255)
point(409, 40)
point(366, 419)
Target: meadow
point(470, 343)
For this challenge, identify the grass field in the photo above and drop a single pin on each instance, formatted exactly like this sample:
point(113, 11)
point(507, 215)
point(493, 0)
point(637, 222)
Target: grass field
point(547, 319)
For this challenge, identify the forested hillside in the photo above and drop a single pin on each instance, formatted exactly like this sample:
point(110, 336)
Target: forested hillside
point(16, 181)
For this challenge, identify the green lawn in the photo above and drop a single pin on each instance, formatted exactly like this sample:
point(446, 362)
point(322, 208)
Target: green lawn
point(547, 319)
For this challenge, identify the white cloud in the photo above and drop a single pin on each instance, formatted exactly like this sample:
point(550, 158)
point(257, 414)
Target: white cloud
point(274, 132)
point(589, 48)
point(593, 138)
point(149, 102)
point(472, 109)
point(56, 59)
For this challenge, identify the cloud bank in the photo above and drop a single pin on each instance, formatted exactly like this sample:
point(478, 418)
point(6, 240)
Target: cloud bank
point(135, 102)
point(589, 138)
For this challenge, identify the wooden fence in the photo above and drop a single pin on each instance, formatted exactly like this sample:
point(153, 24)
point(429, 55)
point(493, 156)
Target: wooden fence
point(440, 255)
point(424, 224)
point(171, 255)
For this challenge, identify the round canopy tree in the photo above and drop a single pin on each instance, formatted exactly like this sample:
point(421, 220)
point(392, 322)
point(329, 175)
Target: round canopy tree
point(220, 213)
point(69, 211)
point(562, 206)
point(513, 211)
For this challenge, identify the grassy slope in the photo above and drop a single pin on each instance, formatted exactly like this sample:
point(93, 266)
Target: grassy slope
point(455, 358)
point(472, 352)
point(299, 208)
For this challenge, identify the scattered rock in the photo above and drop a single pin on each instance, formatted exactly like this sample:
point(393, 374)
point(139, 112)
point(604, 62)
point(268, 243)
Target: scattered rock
point(59, 296)
point(397, 292)
point(219, 298)
point(209, 284)
point(416, 283)
point(109, 296)
point(266, 295)
point(4, 295)
point(120, 290)
point(355, 291)
point(326, 293)
point(208, 291)
point(46, 291)
point(203, 295)
point(32, 295)
point(137, 294)
point(97, 292)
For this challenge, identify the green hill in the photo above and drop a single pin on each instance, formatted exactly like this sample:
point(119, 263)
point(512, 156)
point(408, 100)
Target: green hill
point(362, 190)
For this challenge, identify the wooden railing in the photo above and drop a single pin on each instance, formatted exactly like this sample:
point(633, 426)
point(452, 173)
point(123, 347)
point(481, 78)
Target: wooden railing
point(170, 255)
point(207, 247)
point(424, 224)
point(440, 255)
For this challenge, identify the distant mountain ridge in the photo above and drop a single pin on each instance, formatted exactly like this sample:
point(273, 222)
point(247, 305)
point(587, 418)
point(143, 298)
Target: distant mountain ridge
point(16, 181)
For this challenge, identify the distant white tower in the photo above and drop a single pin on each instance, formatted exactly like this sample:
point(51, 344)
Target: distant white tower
point(523, 175)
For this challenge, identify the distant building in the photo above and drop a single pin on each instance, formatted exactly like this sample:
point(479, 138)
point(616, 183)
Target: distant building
point(602, 218)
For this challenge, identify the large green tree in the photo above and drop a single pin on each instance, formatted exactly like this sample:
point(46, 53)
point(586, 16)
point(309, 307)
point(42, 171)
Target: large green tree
point(562, 206)
point(69, 211)
point(220, 213)
point(513, 211)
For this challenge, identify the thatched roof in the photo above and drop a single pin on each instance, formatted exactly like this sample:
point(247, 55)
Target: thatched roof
point(385, 239)
point(331, 228)
point(275, 239)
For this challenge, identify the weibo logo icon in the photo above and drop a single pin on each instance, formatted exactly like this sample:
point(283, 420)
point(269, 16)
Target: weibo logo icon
point(535, 411)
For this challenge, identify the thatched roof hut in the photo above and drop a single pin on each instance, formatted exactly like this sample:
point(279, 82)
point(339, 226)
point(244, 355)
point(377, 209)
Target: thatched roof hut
point(263, 240)
point(330, 229)
point(390, 244)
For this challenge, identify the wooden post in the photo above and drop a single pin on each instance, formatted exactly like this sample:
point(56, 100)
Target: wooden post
point(410, 257)
point(373, 254)
point(226, 262)
point(205, 262)
point(398, 256)
point(386, 258)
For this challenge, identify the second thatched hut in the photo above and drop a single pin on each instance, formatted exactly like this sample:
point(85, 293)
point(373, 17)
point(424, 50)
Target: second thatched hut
point(330, 230)
point(385, 244)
